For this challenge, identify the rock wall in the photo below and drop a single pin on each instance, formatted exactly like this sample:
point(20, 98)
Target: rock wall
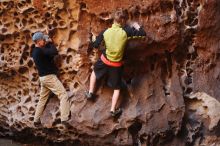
point(171, 95)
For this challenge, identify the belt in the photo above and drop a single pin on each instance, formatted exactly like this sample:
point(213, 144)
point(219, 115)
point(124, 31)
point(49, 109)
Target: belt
point(110, 63)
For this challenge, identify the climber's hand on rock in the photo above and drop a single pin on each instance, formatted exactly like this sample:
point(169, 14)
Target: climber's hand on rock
point(135, 25)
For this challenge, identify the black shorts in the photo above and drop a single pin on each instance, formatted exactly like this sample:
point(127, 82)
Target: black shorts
point(114, 74)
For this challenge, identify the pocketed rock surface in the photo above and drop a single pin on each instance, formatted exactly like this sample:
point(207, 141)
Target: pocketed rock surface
point(171, 78)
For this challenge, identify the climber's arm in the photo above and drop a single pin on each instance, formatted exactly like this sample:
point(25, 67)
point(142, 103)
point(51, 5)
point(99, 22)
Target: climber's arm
point(50, 49)
point(98, 40)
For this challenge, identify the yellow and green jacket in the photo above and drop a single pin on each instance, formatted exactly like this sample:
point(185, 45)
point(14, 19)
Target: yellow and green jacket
point(115, 39)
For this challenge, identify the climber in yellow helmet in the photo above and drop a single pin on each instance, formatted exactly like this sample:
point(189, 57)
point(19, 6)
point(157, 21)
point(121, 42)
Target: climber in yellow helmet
point(110, 62)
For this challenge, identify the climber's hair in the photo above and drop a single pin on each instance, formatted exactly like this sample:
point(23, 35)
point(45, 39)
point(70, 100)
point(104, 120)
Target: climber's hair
point(119, 16)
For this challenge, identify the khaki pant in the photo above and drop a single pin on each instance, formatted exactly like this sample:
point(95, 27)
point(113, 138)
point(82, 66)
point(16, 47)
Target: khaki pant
point(52, 83)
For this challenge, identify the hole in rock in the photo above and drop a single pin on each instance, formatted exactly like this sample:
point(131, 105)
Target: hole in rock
point(4, 30)
point(135, 127)
point(30, 63)
point(25, 55)
point(36, 12)
point(189, 1)
point(15, 14)
point(23, 2)
point(69, 50)
point(2, 50)
point(73, 72)
point(61, 128)
point(40, 25)
point(21, 61)
point(24, 22)
point(20, 5)
point(188, 90)
point(34, 79)
point(62, 23)
point(5, 3)
point(34, 74)
point(31, 109)
point(17, 20)
point(22, 69)
point(28, 100)
point(195, 22)
point(47, 14)
point(152, 67)
point(11, 99)
point(76, 85)
point(133, 130)
point(50, 26)
point(31, 119)
point(57, 17)
point(30, 21)
point(72, 32)
point(18, 126)
point(82, 5)
point(69, 59)
point(166, 5)
point(44, 7)
point(105, 14)
point(30, 10)
point(58, 114)
point(36, 101)
point(19, 92)
point(19, 108)
point(54, 24)
point(136, 13)
point(2, 38)
point(16, 34)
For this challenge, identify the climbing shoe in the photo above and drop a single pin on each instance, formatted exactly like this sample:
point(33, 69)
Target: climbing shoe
point(89, 95)
point(116, 113)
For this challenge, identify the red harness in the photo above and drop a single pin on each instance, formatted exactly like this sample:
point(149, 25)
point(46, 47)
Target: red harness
point(107, 62)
